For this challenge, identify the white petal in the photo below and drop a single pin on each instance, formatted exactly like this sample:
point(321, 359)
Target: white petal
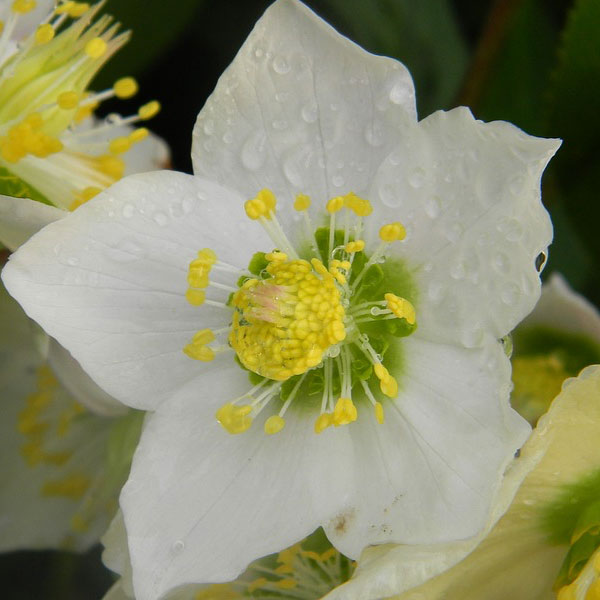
point(469, 195)
point(559, 306)
point(201, 503)
point(301, 109)
point(418, 479)
point(20, 218)
point(116, 556)
point(32, 515)
point(108, 281)
point(80, 385)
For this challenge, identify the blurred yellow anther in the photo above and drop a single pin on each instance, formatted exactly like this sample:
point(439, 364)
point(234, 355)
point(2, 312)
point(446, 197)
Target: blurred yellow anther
point(401, 308)
point(72, 486)
point(83, 196)
point(1, 26)
point(379, 413)
point(138, 135)
point(44, 33)
point(23, 6)
point(119, 145)
point(387, 383)
point(287, 584)
point(335, 204)
point(392, 232)
point(125, 87)
point(77, 9)
point(261, 206)
point(323, 421)
point(67, 100)
point(302, 202)
point(359, 206)
point(111, 166)
point(195, 297)
point(149, 110)
point(95, 48)
point(274, 424)
point(26, 138)
point(356, 246)
point(235, 419)
point(344, 412)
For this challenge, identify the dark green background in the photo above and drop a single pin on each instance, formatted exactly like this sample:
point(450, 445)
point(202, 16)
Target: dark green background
point(533, 62)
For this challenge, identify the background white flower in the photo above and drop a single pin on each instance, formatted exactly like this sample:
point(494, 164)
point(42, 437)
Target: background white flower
point(303, 110)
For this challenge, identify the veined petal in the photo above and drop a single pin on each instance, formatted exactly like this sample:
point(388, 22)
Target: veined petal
point(20, 218)
point(468, 194)
point(302, 110)
point(256, 498)
point(452, 401)
point(517, 558)
point(126, 255)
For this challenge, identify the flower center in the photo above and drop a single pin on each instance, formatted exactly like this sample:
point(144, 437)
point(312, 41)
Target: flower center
point(283, 325)
point(309, 323)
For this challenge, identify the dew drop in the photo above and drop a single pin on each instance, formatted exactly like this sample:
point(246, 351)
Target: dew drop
point(187, 205)
point(501, 262)
point(72, 261)
point(432, 207)
point(458, 271)
point(511, 228)
point(279, 125)
point(390, 195)
point(374, 134)
point(161, 219)
point(417, 177)
point(259, 53)
point(228, 137)
point(309, 113)
point(254, 151)
point(400, 92)
point(178, 546)
point(209, 127)
point(510, 294)
point(337, 180)
point(280, 65)
point(435, 291)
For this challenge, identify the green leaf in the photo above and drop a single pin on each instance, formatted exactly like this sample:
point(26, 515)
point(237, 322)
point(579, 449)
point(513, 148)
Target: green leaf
point(11, 185)
point(423, 35)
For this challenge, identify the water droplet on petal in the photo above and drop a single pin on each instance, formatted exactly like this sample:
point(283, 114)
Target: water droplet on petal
point(72, 261)
point(401, 92)
point(337, 180)
point(178, 546)
point(432, 207)
point(374, 134)
point(187, 205)
point(161, 219)
point(309, 113)
point(128, 211)
point(280, 65)
point(209, 127)
point(510, 294)
point(254, 151)
point(417, 177)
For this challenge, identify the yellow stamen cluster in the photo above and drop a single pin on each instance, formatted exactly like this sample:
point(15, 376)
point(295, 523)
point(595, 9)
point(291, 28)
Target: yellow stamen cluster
point(261, 206)
point(355, 246)
point(587, 584)
point(283, 325)
point(387, 383)
point(235, 419)
point(359, 206)
point(198, 276)
point(343, 413)
point(36, 424)
point(401, 308)
point(198, 348)
point(26, 138)
point(392, 232)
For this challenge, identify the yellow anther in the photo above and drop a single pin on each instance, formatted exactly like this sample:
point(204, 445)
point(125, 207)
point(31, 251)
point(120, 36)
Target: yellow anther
point(274, 424)
point(389, 386)
point(356, 246)
point(73, 486)
point(323, 421)
point(345, 264)
point(287, 584)
point(328, 554)
point(44, 33)
point(195, 297)
point(126, 87)
point(256, 584)
point(302, 202)
point(23, 6)
point(319, 267)
point(379, 413)
point(111, 165)
point(204, 336)
point(360, 206)
point(95, 48)
point(235, 419)
point(79, 524)
point(120, 145)
point(67, 100)
point(149, 110)
point(77, 9)
point(199, 352)
point(392, 232)
point(344, 412)
point(567, 592)
point(276, 256)
point(335, 204)
point(138, 135)
point(381, 372)
point(268, 197)
point(401, 308)
point(83, 196)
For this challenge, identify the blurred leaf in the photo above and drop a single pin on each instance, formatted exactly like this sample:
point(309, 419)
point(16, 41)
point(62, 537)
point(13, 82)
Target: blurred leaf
point(155, 24)
point(514, 88)
point(423, 35)
point(574, 95)
point(11, 185)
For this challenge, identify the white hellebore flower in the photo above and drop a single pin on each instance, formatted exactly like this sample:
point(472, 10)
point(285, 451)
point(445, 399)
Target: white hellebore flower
point(348, 415)
point(52, 149)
